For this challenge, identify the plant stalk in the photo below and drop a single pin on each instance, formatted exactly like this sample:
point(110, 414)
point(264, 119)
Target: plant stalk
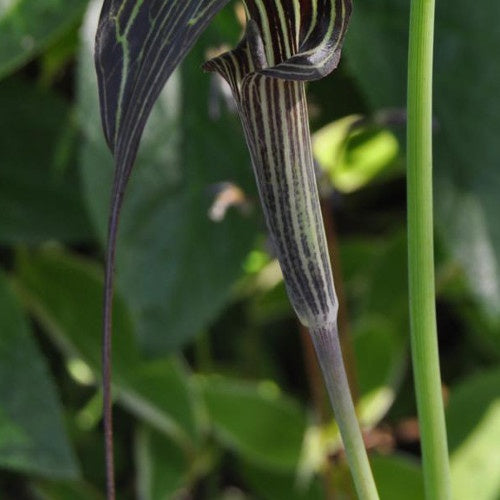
point(327, 345)
point(421, 253)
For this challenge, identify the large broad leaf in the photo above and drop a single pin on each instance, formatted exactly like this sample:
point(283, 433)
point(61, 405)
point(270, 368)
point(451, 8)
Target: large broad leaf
point(254, 419)
point(32, 436)
point(473, 421)
point(466, 108)
point(175, 266)
point(64, 293)
point(27, 26)
point(39, 189)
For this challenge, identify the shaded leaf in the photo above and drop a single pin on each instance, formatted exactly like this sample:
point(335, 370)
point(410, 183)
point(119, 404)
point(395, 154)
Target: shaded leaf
point(161, 465)
point(27, 27)
point(381, 356)
point(74, 490)
point(397, 477)
point(32, 436)
point(277, 485)
point(254, 419)
point(64, 293)
point(39, 191)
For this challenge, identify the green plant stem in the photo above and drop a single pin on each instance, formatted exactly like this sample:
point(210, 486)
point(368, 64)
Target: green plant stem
point(327, 345)
point(421, 253)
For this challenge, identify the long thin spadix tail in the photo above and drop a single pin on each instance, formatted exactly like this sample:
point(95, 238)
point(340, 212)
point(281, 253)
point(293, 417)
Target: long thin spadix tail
point(114, 217)
point(139, 43)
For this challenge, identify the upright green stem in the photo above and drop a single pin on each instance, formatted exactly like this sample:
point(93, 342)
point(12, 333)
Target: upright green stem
point(421, 253)
point(327, 345)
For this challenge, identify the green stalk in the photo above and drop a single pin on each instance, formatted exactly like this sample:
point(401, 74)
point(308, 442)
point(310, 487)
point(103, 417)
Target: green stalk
point(421, 253)
point(327, 345)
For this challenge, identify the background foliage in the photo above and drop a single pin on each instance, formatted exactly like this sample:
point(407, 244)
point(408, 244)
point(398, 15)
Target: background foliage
point(217, 392)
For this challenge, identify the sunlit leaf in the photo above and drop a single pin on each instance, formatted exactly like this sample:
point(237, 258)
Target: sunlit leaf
point(354, 153)
point(473, 422)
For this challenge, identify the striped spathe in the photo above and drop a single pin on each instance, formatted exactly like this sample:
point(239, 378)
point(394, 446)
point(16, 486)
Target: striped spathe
point(266, 72)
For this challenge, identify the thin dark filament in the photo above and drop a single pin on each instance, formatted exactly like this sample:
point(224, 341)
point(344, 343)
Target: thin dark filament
point(116, 201)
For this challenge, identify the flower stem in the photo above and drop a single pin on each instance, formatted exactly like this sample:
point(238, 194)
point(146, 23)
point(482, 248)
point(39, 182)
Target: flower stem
point(327, 345)
point(421, 253)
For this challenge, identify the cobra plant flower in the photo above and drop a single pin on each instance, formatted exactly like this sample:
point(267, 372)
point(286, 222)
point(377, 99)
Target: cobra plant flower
point(287, 42)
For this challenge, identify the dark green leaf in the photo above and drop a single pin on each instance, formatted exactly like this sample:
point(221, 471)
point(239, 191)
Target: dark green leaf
point(64, 293)
point(381, 355)
point(27, 27)
point(276, 485)
point(74, 490)
point(175, 267)
point(466, 109)
point(254, 419)
point(398, 477)
point(32, 436)
point(161, 466)
point(39, 190)
point(388, 287)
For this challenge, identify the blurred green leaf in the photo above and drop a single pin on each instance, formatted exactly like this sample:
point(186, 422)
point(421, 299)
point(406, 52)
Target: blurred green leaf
point(65, 294)
point(39, 190)
point(27, 27)
point(354, 153)
point(54, 60)
point(398, 477)
point(175, 267)
point(65, 490)
point(161, 465)
point(375, 277)
point(256, 420)
point(277, 485)
point(466, 109)
point(473, 421)
point(381, 356)
point(358, 257)
point(32, 437)
point(387, 294)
